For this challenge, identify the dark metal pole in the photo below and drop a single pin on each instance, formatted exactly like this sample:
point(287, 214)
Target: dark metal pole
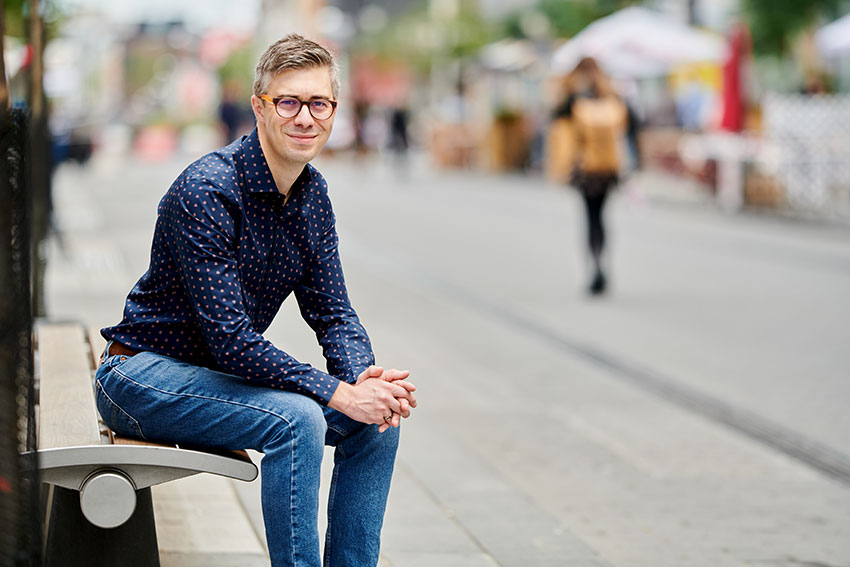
point(40, 159)
point(4, 89)
point(692, 13)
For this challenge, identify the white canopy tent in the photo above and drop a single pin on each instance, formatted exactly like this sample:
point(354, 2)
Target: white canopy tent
point(833, 39)
point(636, 42)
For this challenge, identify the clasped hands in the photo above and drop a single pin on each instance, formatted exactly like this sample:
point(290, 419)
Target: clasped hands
point(379, 396)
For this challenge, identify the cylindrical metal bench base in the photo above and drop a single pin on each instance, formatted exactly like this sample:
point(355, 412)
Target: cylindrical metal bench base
point(72, 541)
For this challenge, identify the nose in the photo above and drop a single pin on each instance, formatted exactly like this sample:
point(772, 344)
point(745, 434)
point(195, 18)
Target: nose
point(303, 118)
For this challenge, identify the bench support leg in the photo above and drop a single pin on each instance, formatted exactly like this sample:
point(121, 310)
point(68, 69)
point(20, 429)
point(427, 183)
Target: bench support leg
point(74, 542)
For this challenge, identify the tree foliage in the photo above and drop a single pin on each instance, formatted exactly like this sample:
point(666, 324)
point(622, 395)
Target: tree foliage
point(238, 68)
point(15, 21)
point(566, 17)
point(775, 23)
point(17, 16)
point(417, 38)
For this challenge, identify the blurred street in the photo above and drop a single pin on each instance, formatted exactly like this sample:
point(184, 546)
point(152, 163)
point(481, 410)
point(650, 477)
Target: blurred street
point(696, 415)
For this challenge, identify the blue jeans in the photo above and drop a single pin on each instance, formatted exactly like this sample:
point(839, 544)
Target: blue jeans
point(158, 398)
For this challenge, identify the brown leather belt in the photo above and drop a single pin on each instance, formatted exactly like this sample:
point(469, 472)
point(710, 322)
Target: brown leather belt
point(118, 348)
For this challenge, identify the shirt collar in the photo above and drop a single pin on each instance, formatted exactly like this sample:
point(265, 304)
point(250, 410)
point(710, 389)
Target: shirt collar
point(255, 168)
point(258, 176)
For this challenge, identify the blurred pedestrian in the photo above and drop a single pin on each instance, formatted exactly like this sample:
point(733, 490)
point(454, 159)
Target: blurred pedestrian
point(598, 120)
point(399, 142)
point(361, 115)
point(234, 116)
point(814, 85)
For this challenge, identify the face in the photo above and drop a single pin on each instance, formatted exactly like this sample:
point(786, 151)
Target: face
point(297, 140)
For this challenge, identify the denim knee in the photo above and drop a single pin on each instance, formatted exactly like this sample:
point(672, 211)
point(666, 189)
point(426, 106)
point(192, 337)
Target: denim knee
point(302, 421)
point(368, 439)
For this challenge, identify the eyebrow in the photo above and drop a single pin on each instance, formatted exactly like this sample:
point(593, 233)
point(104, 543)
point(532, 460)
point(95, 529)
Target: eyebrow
point(314, 97)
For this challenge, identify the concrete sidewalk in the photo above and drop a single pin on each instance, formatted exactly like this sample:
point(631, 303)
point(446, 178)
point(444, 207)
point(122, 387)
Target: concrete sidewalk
point(522, 453)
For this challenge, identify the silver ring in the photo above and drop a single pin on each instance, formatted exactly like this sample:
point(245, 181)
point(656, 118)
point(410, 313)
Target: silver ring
point(387, 418)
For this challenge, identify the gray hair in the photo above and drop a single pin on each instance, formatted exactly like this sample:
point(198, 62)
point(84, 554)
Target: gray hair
point(294, 52)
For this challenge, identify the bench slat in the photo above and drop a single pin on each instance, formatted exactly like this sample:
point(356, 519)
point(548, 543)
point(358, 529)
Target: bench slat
point(68, 416)
point(118, 440)
point(239, 454)
point(96, 344)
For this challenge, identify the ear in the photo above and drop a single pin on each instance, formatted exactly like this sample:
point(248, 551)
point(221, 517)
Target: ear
point(257, 107)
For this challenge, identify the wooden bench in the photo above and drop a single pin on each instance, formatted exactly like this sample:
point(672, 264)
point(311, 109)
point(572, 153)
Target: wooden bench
point(98, 506)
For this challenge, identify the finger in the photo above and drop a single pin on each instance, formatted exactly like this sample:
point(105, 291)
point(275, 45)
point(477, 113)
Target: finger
point(411, 400)
point(408, 395)
point(406, 385)
point(370, 372)
point(405, 407)
point(402, 389)
point(383, 427)
point(396, 420)
point(392, 374)
point(395, 405)
point(401, 394)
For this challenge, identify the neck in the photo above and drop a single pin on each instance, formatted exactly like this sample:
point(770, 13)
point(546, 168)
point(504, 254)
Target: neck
point(284, 172)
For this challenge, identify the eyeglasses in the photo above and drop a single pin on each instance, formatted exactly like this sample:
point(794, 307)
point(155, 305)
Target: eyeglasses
point(289, 107)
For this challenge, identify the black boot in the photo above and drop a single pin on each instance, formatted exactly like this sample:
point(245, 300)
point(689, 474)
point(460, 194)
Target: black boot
point(599, 283)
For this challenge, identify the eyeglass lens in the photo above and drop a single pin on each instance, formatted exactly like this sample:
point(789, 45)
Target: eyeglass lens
point(318, 108)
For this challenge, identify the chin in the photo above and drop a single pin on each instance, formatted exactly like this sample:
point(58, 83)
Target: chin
point(303, 155)
point(312, 148)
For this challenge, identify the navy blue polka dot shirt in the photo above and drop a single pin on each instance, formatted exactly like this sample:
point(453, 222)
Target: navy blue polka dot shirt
point(228, 248)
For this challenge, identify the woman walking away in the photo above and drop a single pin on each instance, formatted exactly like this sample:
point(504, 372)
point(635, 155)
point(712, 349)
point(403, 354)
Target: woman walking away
point(598, 119)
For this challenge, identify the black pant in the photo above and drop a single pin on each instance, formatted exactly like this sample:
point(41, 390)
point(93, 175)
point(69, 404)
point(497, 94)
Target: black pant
point(593, 204)
point(594, 190)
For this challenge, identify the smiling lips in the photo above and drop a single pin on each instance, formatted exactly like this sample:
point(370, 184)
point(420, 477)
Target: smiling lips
point(302, 138)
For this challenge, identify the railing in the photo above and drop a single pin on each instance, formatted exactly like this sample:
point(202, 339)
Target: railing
point(20, 539)
point(809, 150)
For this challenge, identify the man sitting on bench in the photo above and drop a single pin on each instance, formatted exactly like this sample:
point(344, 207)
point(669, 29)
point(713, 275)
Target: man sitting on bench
point(237, 232)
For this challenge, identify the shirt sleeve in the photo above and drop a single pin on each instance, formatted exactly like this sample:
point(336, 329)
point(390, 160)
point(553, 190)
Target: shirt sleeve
point(324, 304)
point(199, 221)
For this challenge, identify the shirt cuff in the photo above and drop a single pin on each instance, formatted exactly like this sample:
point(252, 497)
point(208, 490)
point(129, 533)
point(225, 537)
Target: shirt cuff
point(317, 385)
